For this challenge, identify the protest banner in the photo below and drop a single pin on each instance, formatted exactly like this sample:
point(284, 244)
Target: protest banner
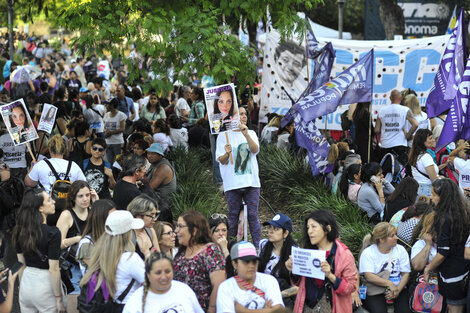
point(18, 122)
point(307, 262)
point(222, 108)
point(450, 72)
point(46, 123)
point(398, 64)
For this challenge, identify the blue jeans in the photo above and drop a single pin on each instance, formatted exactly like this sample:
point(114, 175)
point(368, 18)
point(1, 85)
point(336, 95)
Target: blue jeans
point(76, 277)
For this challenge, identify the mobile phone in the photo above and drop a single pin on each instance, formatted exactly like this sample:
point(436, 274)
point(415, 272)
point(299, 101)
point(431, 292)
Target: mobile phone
point(16, 267)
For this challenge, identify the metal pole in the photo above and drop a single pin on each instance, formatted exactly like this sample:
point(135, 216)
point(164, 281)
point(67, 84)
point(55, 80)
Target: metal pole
point(10, 28)
point(340, 18)
point(245, 221)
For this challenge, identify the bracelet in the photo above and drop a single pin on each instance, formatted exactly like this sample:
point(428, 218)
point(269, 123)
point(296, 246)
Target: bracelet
point(60, 296)
point(153, 249)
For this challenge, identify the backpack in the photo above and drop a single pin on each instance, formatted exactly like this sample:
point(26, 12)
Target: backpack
point(60, 189)
point(392, 169)
point(99, 301)
point(426, 298)
point(78, 153)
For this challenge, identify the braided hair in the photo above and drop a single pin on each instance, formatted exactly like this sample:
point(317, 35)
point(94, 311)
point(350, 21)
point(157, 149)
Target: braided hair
point(154, 257)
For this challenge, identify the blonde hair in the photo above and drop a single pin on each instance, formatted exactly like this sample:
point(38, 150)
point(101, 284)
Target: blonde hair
point(412, 102)
point(428, 225)
point(57, 145)
point(381, 231)
point(343, 147)
point(275, 121)
point(333, 153)
point(105, 259)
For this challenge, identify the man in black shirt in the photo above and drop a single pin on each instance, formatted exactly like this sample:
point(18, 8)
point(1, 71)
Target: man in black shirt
point(98, 172)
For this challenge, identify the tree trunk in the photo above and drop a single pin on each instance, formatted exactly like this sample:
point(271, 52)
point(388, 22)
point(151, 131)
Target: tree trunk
point(392, 18)
point(10, 28)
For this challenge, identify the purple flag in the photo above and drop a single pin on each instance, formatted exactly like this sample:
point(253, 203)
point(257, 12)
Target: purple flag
point(449, 73)
point(311, 50)
point(310, 138)
point(351, 86)
point(458, 114)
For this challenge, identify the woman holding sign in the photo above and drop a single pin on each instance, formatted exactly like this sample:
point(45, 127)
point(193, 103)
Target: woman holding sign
point(386, 268)
point(321, 232)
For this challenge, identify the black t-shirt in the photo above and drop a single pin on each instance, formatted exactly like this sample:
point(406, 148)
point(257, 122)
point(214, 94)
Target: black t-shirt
point(48, 247)
point(98, 180)
point(124, 193)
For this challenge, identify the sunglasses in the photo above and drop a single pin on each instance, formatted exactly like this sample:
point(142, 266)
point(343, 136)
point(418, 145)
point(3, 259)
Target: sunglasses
point(217, 216)
point(97, 149)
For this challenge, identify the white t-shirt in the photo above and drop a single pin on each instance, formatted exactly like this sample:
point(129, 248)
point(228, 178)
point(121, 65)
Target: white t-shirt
point(179, 137)
point(114, 123)
point(130, 267)
point(43, 174)
point(463, 167)
point(424, 161)
point(13, 156)
point(180, 298)
point(244, 170)
point(164, 140)
point(393, 118)
point(374, 261)
point(93, 118)
point(418, 246)
point(182, 104)
point(229, 292)
point(423, 123)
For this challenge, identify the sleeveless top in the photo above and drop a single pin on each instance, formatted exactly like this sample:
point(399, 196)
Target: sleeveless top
point(73, 231)
point(164, 189)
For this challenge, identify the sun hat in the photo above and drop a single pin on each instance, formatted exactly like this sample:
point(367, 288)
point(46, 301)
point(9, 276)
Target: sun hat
point(120, 222)
point(243, 250)
point(280, 220)
point(155, 147)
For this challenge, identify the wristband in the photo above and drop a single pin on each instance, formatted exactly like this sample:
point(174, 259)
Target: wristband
point(60, 296)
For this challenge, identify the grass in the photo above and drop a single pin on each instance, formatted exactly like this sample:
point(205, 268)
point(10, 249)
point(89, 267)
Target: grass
point(286, 182)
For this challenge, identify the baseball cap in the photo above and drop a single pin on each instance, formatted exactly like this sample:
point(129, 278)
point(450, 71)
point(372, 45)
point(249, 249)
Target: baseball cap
point(120, 222)
point(280, 220)
point(83, 89)
point(155, 147)
point(243, 250)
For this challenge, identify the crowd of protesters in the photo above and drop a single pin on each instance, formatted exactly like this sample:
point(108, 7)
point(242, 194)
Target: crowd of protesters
point(115, 230)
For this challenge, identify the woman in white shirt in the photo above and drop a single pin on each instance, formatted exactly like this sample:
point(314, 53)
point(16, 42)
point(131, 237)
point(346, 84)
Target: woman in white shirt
point(160, 292)
point(114, 258)
point(161, 134)
point(424, 170)
point(424, 250)
point(421, 117)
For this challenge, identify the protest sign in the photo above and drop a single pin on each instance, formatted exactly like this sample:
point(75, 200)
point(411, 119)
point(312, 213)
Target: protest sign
point(18, 122)
point(46, 123)
point(398, 64)
point(222, 108)
point(307, 262)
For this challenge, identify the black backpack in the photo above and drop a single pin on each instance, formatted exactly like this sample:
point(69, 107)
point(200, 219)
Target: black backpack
point(60, 189)
point(100, 301)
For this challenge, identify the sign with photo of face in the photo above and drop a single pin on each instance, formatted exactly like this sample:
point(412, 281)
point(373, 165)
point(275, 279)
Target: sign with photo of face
point(18, 122)
point(46, 123)
point(222, 108)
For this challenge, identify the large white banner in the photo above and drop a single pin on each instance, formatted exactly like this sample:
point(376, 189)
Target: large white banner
point(398, 64)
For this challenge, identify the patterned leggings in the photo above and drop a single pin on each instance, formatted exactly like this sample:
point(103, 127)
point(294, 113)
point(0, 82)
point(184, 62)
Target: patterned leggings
point(234, 200)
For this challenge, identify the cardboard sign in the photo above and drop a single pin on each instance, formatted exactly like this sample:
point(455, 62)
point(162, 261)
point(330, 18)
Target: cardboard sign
point(222, 108)
point(46, 123)
point(18, 122)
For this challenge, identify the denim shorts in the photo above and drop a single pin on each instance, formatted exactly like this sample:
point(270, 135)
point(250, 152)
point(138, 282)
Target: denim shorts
point(76, 277)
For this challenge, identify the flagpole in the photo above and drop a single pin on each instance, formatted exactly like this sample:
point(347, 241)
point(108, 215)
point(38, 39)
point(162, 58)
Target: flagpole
point(370, 130)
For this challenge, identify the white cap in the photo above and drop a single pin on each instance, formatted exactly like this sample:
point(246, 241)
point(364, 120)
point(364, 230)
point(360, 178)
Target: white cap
point(120, 222)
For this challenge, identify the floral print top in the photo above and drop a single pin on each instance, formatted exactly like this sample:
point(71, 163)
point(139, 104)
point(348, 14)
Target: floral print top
point(195, 271)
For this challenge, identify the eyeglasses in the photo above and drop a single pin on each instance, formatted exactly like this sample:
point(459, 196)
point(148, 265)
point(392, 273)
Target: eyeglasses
point(217, 216)
point(153, 217)
point(169, 233)
point(97, 149)
point(181, 226)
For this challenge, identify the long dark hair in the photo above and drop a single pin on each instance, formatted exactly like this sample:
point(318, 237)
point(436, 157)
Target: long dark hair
point(216, 105)
point(453, 208)
point(26, 120)
point(369, 170)
point(407, 189)
point(158, 107)
point(420, 208)
point(362, 109)
point(418, 147)
point(239, 162)
point(97, 218)
point(324, 218)
point(27, 231)
point(348, 177)
point(279, 270)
